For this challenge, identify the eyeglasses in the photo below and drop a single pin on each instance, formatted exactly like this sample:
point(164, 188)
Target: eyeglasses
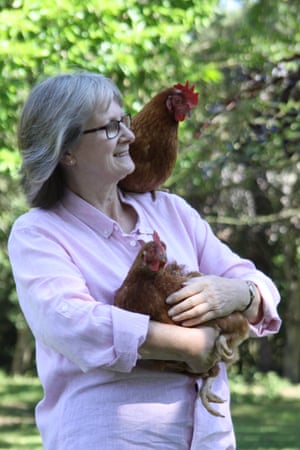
point(112, 129)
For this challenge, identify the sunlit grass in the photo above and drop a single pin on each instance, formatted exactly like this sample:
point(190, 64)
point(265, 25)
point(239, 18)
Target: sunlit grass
point(266, 413)
point(17, 427)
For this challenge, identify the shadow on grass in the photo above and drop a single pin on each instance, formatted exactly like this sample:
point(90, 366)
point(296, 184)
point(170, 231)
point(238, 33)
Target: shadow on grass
point(19, 396)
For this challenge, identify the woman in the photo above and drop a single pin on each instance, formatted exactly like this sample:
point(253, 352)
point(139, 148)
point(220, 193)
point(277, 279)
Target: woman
point(72, 251)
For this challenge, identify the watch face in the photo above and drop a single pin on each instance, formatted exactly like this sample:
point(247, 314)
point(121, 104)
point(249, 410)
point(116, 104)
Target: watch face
point(251, 294)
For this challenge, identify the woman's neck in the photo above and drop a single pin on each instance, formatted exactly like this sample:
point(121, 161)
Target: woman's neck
point(110, 204)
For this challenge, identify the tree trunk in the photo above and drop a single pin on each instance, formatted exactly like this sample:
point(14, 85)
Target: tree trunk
point(23, 354)
point(266, 355)
point(291, 363)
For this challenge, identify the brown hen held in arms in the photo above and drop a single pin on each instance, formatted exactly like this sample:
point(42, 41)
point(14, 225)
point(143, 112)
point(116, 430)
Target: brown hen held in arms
point(149, 282)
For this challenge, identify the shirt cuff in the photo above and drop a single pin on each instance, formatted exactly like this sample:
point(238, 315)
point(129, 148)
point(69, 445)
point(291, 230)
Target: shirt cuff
point(271, 322)
point(129, 332)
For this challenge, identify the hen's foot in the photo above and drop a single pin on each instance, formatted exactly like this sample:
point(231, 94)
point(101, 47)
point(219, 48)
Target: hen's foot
point(225, 352)
point(207, 396)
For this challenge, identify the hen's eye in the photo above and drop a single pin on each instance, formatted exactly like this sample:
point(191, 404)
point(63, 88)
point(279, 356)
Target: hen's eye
point(177, 100)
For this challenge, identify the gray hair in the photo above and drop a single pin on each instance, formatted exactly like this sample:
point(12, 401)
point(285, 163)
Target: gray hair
point(52, 121)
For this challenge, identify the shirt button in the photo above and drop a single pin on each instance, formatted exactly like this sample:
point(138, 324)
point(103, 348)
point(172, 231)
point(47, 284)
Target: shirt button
point(106, 233)
point(64, 308)
point(133, 243)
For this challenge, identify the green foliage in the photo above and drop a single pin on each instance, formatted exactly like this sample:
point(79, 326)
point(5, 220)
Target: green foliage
point(129, 41)
point(269, 385)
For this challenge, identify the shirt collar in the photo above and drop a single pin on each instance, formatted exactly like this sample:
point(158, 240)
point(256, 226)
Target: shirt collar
point(101, 223)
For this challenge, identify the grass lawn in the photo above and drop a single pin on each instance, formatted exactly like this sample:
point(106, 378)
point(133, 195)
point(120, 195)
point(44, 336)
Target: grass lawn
point(266, 414)
point(17, 428)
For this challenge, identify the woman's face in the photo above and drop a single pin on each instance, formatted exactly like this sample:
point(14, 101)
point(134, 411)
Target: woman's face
point(102, 160)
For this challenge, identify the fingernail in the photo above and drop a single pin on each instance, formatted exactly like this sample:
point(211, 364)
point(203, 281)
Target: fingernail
point(176, 317)
point(170, 312)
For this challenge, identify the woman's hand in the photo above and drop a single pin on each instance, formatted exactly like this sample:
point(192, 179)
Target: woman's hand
point(200, 360)
point(207, 297)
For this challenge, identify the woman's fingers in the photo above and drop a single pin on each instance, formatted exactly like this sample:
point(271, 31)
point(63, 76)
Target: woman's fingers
point(189, 289)
point(188, 308)
point(202, 299)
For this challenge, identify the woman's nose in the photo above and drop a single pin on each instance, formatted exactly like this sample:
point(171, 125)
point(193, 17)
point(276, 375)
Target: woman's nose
point(127, 133)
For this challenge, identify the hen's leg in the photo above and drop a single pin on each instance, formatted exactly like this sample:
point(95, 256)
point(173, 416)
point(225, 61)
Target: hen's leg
point(225, 352)
point(207, 396)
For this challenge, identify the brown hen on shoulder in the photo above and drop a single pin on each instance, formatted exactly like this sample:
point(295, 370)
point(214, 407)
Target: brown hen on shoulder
point(149, 282)
point(155, 148)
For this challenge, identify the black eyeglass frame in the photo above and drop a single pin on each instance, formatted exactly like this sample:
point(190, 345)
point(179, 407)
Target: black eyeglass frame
point(112, 129)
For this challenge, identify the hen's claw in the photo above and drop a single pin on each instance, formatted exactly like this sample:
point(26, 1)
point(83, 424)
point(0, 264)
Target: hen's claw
point(226, 353)
point(207, 396)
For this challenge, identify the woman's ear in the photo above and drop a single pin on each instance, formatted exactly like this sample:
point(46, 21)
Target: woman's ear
point(68, 159)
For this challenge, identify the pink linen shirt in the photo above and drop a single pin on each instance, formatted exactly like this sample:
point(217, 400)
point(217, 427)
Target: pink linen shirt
point(68, 263)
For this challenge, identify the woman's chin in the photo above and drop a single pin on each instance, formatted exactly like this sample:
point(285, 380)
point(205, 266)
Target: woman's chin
point(129, 168)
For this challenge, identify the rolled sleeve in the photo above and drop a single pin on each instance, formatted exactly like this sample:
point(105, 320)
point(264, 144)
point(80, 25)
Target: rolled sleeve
point(128, 340)
point(270, 297)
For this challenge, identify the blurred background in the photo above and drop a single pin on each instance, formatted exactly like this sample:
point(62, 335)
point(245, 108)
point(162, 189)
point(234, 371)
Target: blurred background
point(239, 158)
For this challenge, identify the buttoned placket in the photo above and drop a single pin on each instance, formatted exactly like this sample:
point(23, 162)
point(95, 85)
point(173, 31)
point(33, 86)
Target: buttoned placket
point(132, 239)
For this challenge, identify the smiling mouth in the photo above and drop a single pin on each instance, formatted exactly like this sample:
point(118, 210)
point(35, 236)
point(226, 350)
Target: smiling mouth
point(120, 154)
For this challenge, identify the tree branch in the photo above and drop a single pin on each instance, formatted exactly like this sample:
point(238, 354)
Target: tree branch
point(285, 214)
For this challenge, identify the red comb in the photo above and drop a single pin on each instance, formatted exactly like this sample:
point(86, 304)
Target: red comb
point(160, 245)
point(156, 237)
point(158, 242)
point(188, 91)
